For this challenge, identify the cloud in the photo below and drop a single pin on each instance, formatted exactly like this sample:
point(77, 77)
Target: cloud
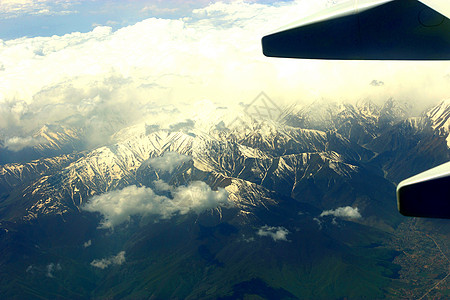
point(98, 108)
point(198, 197)
point(51, 268)
point(187, 124)
point(87, 244)
point(343, 212)
point(168, 161)
point(248, 240)
point(156, 10)
point(15, 8)
point(276, 233)
point(319, 222)
point(18, 143)
point(151, 128)
point(162, 186)
point(105, 79)
point(111, 23)
point(117, 206)
point(376, 83)
point(112, 260)
point(30, 269)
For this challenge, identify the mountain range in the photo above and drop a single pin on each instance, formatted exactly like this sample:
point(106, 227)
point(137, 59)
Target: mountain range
point(222, 206)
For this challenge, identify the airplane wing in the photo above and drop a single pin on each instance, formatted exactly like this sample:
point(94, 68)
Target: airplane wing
point(368, 30)
point(426, 194)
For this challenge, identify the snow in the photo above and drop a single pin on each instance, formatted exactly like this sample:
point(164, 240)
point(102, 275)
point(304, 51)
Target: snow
point(257, 145)
point(440, 118)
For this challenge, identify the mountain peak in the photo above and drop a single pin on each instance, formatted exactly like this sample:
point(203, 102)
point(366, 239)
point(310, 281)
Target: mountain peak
point(440, 118)
point(368, 107)
point(395, 110)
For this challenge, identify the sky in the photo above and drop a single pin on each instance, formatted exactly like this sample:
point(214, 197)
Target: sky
point(93, 64)
point(19, 18)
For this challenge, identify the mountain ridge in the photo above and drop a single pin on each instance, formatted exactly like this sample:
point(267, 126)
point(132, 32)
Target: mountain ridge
point(307, 204)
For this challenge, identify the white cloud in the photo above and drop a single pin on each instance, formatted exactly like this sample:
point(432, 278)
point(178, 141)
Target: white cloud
point(198, 197)
point(276, 233)
point(162, 186)
point(155, 9)
point(14, 8)
point(18, 143)
point(343, 212)
point(51, 268)
point(117, 206)
point(168, 161)
point(87, 244)
point(112, 260)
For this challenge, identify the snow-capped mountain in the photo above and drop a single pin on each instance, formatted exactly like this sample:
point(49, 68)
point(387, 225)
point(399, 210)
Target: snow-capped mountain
point(215, 190)
point(289, 160)
point(280, 156)
point(359, 123)
point(440, 119)
point(413, 144)
point(49, 141)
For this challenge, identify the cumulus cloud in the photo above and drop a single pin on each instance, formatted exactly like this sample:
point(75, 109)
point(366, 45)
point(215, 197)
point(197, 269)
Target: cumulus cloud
point(18, 143)
point(168, 161)
point(198, 197)
point(112, 260)
point(276, 233)
point(117, 206)
point(343, 212)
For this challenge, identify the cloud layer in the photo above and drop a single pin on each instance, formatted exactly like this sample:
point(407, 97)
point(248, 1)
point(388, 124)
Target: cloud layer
point(276, 233)
point(343, 212)
point(104, 80)
point(15, 8)
point(117, 206)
